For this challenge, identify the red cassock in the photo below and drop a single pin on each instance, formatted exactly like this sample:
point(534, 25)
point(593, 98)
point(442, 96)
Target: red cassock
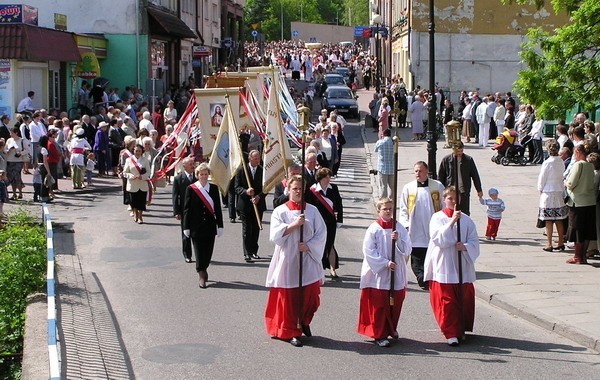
point(281, 312)
point(446, 309)
point(376, 318)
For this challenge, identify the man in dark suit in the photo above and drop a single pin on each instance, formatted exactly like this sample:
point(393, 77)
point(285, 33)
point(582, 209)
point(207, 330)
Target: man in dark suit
point(90, 130)
point(180, 184)
point(248, 195)
point(310, 170)
point(467, 172)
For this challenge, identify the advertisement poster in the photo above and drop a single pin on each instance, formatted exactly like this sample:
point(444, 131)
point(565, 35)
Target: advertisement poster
point(5, 88)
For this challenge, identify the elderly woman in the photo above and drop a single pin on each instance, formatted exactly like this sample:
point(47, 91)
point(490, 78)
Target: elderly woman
point(50, 157)
point(123, 156)
point(328, 148)
point(202, 219)
point(582, 204)
point(137, 172)
point(15, 149)
point(325, 196)
point(416, 117)
point(78, 147)
point(552, 208)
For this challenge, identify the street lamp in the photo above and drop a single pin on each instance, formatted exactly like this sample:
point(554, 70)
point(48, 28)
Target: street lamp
point(432, 136)
point(377, 21)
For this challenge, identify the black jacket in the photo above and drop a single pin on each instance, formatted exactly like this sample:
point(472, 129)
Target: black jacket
point(468, 172)
point(244, 205)
point(180, 184)
point(196, 216)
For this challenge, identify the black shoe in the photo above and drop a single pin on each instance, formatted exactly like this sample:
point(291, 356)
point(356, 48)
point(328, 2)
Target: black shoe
point(382, 342)
point(548, 249)
point(255, 256)
point(188, 260)
point(296, 342)
point(248, 259)
point(232, 220)
point(306, 330)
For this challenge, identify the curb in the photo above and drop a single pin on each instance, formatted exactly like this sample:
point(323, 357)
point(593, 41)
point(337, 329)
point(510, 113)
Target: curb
point(540, 319)
point(518, 309)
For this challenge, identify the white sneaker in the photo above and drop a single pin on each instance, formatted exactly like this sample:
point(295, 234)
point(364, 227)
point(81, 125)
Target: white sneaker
point(453, 342)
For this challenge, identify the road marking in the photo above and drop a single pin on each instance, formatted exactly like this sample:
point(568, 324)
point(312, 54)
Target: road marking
point(345, 173)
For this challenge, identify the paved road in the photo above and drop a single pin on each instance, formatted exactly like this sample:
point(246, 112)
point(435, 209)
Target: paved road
point(132, 308)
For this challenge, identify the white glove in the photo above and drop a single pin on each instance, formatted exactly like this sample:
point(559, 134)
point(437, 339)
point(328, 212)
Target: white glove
point(219, 232)
point(338, 225)
point(186, 233)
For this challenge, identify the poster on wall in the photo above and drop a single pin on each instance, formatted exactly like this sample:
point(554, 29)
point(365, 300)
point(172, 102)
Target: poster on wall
point(5, 88)
point(18, 14)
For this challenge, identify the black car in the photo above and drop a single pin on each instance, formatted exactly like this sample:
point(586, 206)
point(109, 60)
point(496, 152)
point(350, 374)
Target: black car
point(329, 80)
point(345, 72)
point(342, 99)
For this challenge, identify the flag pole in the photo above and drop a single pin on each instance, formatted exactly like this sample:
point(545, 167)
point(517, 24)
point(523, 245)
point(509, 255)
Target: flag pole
point(458, 239)
point(244, 166)
point(394, 206)
point(304, 116)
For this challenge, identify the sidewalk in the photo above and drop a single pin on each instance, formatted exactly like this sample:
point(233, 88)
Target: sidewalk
point(513, 272)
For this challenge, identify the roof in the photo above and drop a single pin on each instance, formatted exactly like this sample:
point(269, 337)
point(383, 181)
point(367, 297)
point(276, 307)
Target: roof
point(170, 24)
point(29, 42)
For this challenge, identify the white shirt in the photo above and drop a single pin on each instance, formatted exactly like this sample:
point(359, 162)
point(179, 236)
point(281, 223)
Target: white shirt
point(146, 124)
point(441, 261)
point(25, 105)
point(283, 269)
point(377, 251)
point(36, 130)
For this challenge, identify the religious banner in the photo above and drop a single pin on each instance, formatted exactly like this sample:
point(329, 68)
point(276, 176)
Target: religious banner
point(276, 150)
point(6, 104)
point(227, 155)
point(211, 105)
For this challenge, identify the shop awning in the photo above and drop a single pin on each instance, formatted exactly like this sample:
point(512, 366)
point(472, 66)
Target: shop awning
point(92, 43)
point(28, 42)
point(169, 24)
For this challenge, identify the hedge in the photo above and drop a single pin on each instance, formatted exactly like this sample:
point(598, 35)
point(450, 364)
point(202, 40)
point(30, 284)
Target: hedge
point(22, 272)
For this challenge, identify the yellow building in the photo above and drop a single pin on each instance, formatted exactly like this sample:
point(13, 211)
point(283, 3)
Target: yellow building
point(477, 43)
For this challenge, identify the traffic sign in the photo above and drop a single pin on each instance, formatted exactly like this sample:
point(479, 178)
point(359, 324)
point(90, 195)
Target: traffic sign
point(295, 33)
point(254, 26)
point(254, 33)
point(312, 39)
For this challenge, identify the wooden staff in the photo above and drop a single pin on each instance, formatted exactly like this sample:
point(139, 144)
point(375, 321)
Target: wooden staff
point(301, 256)
point(394, 205)
point(458, 239)
point(303, 124)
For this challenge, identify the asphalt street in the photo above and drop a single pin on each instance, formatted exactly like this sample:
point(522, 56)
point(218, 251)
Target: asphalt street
point(148, 319)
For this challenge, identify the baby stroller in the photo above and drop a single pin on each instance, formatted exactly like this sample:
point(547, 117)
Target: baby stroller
point(508, 150)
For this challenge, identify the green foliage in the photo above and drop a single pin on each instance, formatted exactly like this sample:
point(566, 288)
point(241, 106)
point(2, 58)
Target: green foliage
point(269, 13)
point(563, 67)
point(22, 272)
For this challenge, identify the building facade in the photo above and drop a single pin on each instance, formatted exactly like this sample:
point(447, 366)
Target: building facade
point(150, 44)
point(477, 43)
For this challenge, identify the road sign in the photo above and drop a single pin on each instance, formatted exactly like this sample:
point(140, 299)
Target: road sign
point(295, 33)
point(312, 39)
point(254, 26)
point(254, 33)
point(358, 30)
point(227, 42)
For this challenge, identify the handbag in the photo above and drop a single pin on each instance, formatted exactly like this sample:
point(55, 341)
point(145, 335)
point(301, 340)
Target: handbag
point(540, 223)
point(49, 181)
point(25, 156)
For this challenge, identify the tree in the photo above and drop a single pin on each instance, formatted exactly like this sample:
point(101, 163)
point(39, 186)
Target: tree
point(563, 66)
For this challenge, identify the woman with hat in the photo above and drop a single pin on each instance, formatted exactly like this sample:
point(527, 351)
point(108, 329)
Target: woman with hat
point(101, 148)
point(77, 147)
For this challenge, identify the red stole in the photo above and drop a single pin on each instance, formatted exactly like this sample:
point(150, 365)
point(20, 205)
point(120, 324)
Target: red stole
point(321, 199)
point(293, 206)
point(385, 225)
point(196, 187)
point(448, 212)
point(136, 164)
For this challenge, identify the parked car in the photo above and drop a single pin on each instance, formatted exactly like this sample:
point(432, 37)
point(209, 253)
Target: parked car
point(342, 99)
point(345, 72)
point(329, 80)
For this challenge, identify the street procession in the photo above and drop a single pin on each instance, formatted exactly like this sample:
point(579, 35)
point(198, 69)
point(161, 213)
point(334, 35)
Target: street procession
point(305, 197)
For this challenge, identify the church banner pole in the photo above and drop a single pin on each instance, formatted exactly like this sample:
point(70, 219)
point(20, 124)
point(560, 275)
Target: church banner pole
point(303, 116)
point(394, 206)
point(458, 239)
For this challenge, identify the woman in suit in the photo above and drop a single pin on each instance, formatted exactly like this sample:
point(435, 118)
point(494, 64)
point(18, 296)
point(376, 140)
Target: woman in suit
point(202, 219)
point(325, 196)
point(137, 172)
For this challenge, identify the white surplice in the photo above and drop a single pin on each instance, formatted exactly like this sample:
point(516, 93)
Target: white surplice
point(283, 269)
point(441, 262)
point(377, 251)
